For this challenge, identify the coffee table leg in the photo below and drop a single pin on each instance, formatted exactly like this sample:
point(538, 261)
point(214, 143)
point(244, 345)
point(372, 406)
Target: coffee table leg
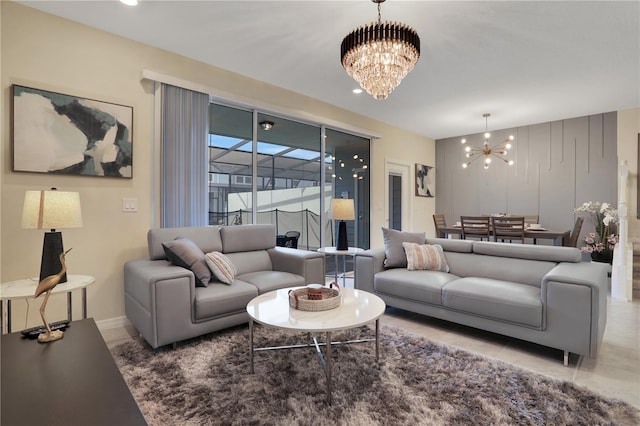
point(328, 359)
point(251, 345)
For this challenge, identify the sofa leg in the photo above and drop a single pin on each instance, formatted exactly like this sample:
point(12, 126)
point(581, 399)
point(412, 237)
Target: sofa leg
point(566, 358)
point(174, 345)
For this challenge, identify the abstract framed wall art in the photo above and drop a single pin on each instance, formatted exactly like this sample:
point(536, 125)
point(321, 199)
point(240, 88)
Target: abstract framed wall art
point(65, 134)
point(424, 181)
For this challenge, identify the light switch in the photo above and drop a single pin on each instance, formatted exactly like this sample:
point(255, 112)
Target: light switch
point(129, 204)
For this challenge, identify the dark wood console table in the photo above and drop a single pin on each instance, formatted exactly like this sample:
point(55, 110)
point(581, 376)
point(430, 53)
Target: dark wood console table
point(73, 381)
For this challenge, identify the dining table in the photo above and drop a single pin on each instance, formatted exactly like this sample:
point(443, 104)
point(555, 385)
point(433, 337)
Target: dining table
point(559, 237)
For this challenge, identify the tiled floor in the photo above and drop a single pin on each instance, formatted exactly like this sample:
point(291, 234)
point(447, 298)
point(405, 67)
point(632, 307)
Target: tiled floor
point(615, 373)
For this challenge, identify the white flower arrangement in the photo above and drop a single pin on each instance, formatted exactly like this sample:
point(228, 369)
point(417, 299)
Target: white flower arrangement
point(604, 218)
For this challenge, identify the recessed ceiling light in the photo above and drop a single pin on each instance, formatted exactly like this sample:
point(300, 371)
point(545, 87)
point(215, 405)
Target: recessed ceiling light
point(129, 2)
point(357, 91)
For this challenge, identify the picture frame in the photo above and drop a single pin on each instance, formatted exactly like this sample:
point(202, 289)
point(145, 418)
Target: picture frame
point(424, 180)
point(58, 133)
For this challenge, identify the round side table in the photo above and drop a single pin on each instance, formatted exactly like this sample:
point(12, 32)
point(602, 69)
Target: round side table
point(26, 288)
point(351, 251)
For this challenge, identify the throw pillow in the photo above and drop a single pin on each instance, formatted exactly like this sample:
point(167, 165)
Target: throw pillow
point(394, 253)
point(221, 266)
point(185, 253)
point(425, 256)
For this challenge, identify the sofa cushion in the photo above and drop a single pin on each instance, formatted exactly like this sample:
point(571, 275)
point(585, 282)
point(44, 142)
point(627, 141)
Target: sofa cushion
point(251, 261)
point(240, 238)
point(394, 253)
point(528, 251)
point(522, 271)
point(453, 244)
point(220, 299)
point(500, 300)
point(185, 253)
point(221, 266)
point(205, 237)
point(266, 281)
point(422, 286)
point(425, 256)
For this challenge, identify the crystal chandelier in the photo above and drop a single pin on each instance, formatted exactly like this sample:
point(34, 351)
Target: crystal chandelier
point(499, 150)
point(379, 55)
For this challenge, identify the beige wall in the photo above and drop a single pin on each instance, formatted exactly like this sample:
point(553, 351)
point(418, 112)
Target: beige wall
point(43, 51)
point(628, 131)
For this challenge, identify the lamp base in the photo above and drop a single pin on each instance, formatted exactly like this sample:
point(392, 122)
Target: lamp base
point(343, 244)
point(52, 248)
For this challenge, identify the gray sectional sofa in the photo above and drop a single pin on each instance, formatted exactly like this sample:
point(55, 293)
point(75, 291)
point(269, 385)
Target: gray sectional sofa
point(167, 303)
point(540, 294)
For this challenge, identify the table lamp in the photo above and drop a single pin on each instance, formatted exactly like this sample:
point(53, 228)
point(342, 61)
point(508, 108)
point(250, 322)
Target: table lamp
point(51, 210)
point(342, 209)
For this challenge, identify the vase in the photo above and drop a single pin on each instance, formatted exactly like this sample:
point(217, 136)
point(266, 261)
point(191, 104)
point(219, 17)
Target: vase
point(605, 256)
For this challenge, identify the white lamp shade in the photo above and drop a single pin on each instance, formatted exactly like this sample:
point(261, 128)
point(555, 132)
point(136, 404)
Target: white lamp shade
point(51, 210)
point(342, 209)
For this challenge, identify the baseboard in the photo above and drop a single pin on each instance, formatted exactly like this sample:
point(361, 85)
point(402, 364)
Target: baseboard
point(117, 322)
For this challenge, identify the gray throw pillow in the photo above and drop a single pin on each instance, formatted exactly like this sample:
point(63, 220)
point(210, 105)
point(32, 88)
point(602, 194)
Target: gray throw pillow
point(185, 253)
point(395, 256)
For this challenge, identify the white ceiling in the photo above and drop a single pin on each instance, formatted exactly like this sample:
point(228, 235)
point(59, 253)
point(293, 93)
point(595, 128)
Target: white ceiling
point(524, 62)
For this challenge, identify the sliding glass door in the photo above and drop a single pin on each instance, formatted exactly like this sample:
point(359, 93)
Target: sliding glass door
point(350, 179)
point(230, 165)
point(286, 176)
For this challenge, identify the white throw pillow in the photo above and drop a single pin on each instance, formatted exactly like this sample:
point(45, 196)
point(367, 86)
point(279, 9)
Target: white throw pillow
point(221, 266)
point(425, 256)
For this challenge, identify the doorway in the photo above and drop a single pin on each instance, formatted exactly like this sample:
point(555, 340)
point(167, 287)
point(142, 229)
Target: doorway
point(395, 202)
point(397, 199)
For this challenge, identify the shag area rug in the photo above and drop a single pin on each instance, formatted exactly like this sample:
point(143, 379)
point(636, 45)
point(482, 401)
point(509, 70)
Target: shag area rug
point(206, 381)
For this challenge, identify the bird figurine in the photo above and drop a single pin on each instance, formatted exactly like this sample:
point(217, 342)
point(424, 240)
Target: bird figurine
point(46, 285)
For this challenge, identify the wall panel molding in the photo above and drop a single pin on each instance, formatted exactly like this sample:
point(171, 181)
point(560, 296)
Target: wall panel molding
point(559, 165)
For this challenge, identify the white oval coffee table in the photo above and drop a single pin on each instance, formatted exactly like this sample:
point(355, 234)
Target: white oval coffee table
point(356, 308)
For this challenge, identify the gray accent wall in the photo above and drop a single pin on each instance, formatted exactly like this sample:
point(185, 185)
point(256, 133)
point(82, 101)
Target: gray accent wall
point(558, 166)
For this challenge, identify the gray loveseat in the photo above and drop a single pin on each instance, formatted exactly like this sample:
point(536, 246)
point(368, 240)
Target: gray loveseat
point(540, 294)
point(165, 304)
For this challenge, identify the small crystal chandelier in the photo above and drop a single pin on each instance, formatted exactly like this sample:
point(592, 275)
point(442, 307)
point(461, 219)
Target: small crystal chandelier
point(499, 150)
point(379, 55)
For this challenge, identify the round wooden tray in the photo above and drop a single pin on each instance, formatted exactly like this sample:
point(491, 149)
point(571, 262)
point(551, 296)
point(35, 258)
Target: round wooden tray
point(299, 299)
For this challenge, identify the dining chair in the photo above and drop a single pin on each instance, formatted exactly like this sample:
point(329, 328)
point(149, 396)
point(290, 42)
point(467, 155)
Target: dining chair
point(575, 233)
point(440, 222)
point(529, 218)
point(508, 228)
point(476, 227)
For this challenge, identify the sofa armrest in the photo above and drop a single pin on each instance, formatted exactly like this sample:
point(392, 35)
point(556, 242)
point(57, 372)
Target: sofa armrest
point(367, 264)
point(141, 275)
point(159, 296)
point(309, 264)
point(575, 298)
